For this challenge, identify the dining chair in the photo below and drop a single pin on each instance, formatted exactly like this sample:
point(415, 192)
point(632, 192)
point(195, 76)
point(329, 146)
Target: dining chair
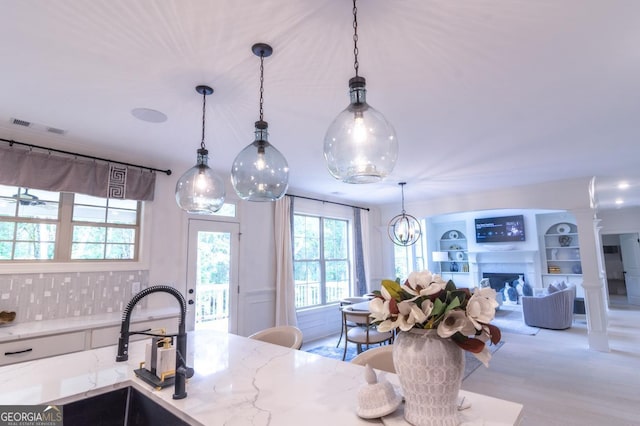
point(284, 335)
point(380, 358)
point(364, 333)
point(346, 302)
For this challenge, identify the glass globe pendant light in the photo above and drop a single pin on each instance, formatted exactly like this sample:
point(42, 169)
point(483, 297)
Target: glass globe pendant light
point(404, 229)
point(199, 190)
point(260, 172)
point(360, 145)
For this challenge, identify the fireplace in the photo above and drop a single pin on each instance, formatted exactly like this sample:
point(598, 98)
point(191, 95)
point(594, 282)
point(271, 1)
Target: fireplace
point(497, 280)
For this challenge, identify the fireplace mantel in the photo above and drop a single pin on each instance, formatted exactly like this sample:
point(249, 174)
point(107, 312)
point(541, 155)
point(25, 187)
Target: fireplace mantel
point(506, 261)
point(506, 256)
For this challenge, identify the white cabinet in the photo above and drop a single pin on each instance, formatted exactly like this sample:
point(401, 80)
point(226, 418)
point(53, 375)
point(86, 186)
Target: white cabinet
point(107, 336)
point(96, 333)
point(454, 243)
point(41, 347)
point(561, 259)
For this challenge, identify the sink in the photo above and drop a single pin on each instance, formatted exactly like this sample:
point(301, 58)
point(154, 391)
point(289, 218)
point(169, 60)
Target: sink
point(126, 406)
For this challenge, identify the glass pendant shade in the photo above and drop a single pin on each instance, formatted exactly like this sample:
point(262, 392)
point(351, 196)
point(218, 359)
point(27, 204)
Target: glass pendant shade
point(360, 145)
point(260, 172)
point(199, 190)
point(404, 230)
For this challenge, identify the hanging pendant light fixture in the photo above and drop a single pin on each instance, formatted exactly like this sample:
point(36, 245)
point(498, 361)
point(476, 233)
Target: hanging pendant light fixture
point(260, 172)
point(199, 190)
point(404, 229)
point(360, 145)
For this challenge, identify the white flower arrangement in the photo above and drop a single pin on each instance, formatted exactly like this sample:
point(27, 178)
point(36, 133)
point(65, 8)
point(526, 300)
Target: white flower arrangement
point(426, 301)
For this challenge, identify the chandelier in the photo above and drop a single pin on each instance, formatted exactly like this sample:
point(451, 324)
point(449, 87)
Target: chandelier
point(260, 172)
point(199, 190)
point(404, 229)
point(360, 145)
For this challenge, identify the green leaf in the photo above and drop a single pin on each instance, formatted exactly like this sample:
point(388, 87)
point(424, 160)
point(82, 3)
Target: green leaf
point(393, 288)
point(438, 308)
point(450, 286)
point(453, 304)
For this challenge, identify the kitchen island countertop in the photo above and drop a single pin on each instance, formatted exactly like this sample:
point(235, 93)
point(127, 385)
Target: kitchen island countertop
point(237, 381)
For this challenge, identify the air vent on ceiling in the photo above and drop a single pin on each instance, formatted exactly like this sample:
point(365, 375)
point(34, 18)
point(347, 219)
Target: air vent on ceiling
point(19, 122)
point(56, 131)
point(36, 126)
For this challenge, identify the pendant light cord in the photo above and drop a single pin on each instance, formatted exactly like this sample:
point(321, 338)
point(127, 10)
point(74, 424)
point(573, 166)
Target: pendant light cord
point(402, 184)
point(204, 104)
point(261, 84)
point(356, 64)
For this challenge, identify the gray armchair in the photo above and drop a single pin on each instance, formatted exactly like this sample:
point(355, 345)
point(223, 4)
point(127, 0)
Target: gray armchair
point(554, 311)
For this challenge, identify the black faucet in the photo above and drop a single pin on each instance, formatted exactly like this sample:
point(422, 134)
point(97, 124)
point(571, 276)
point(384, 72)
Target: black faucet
point(182, 371)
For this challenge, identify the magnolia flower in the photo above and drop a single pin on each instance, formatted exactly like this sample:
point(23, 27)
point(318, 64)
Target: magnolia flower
point(454, 322)
point(411, 314)
point(426, 300)
point(379, 309)
point(424, 283)
point(481, 307)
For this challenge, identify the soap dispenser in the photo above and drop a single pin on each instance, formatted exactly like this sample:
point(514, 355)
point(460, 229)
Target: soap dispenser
point(160, 357)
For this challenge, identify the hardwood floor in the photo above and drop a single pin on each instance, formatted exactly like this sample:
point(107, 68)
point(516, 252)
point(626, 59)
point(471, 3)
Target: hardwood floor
point(559, 380)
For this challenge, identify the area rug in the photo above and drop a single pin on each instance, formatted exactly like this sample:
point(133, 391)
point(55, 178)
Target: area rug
point(470, 365)
point(509, 320)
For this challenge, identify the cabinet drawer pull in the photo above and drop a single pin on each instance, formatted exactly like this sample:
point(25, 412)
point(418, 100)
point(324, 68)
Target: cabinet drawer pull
point(19, 352)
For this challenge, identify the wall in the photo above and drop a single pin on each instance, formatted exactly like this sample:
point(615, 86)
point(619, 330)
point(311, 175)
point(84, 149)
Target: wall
point(563, 195)
point(47, 296)
point(168, 252)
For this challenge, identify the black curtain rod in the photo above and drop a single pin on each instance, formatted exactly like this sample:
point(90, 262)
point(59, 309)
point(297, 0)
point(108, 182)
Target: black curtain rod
point(75, 154)
point(330, 202)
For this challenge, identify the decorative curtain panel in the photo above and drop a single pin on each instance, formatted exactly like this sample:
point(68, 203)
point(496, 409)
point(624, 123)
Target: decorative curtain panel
point(51, 172)
point(361, 276)
point(285, 284)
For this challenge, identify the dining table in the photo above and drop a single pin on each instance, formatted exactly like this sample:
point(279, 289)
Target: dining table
point(361, 306)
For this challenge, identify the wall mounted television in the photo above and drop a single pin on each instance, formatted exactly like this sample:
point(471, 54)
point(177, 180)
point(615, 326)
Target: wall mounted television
point(501, 229)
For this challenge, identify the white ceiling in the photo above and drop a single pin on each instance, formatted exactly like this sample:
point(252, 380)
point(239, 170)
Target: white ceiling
point(483, 94)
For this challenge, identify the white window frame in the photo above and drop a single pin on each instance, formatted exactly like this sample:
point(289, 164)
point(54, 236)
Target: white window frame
point(330, 211)
point(63, 242)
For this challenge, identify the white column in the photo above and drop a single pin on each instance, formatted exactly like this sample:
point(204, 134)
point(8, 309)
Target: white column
point(593, 279)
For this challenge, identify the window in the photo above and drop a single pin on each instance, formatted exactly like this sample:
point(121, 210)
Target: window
point(411, 258)
point(103, 228)
point(28, 223)
point(322, 260)
point(54, 226)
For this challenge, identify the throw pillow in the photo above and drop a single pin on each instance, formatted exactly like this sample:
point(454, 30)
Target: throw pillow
point(552, 289)
point(561, 286)
point(527, 290)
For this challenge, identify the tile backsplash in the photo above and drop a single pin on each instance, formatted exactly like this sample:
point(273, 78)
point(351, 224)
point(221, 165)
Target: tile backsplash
point(37, 297)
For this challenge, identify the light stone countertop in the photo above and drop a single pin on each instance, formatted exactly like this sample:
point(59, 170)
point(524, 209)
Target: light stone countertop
point(32, 329)
point(237, 381)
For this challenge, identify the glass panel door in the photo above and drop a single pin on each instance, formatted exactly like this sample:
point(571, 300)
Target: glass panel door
point(212, 284)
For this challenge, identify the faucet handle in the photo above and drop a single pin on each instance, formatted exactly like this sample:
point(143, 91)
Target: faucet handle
point(188, 372)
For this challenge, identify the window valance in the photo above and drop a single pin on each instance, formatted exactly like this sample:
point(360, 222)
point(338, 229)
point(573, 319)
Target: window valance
point(40, 170)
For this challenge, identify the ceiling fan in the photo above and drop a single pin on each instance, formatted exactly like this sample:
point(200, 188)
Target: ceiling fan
point(26, 199)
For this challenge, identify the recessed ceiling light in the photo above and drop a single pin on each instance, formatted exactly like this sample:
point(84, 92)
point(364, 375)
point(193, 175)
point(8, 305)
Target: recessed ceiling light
point(623, 185)
point(149, 115)
point(619, 201)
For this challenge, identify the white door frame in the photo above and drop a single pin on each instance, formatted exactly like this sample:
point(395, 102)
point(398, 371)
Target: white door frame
point(199, 225)
point(630, 247)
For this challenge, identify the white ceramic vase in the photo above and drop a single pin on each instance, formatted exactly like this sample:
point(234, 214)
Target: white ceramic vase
point(430, 370)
